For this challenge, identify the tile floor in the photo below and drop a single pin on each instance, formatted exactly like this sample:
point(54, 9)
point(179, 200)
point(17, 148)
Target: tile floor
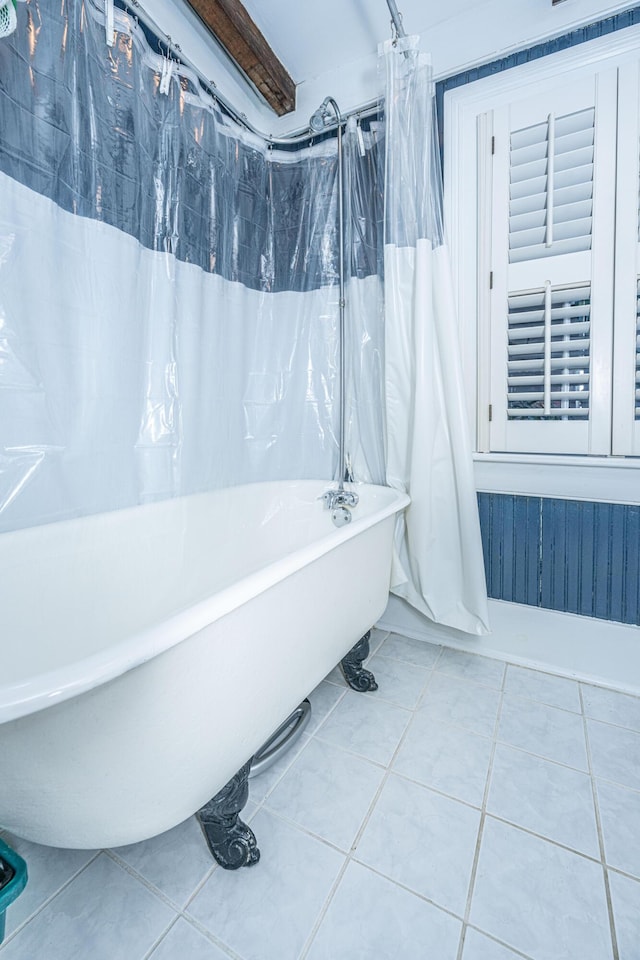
point(467, 810)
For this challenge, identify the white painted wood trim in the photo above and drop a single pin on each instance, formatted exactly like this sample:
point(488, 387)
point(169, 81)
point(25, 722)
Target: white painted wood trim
point(595, 479)
point(583, 648)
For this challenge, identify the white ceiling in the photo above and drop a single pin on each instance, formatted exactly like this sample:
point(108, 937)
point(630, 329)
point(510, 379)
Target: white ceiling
point(312, 37)
point(329, 46)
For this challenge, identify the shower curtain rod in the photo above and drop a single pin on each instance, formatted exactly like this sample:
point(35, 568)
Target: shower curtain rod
point(396, 17)
point(135, 9)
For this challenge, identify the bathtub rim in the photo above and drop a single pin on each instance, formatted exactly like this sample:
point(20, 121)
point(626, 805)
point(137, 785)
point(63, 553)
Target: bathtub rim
point(49, 688)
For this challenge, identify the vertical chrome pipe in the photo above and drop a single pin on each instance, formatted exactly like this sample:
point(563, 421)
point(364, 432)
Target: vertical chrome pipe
point(342, 305)
point(317, 122)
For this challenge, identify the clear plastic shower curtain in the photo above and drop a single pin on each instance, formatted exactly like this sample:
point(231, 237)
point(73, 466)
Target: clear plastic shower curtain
point(438, 563)
point(168, 283)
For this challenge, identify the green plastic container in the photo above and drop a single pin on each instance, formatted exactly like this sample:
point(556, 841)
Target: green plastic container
point(13, 880)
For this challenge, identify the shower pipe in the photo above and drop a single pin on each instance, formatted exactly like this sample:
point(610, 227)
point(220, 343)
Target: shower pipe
point(317, 123)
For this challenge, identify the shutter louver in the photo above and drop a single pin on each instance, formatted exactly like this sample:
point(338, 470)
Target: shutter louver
point(548, 366)
point(551, 187)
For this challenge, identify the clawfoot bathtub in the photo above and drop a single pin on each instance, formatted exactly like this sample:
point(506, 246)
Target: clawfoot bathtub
point(149, 652)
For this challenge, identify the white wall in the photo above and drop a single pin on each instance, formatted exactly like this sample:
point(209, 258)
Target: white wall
point(485, 31)
point(475, 32)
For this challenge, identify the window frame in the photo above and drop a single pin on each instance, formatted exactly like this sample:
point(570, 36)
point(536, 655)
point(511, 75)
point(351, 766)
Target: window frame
point(467, 114)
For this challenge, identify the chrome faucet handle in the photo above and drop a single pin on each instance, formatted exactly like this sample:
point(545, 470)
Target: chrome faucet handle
point(339, 498)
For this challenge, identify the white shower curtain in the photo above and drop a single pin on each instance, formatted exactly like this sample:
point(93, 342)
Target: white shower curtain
point(438, 562)
point(169, 283)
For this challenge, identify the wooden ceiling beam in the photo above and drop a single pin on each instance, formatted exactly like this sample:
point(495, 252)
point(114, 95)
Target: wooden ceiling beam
point(233, 27)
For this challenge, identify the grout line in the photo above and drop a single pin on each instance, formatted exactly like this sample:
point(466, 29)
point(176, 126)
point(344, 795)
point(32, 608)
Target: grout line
point(323, 910)
point(522, 663)
point(439, 792)
point(45, 903)
point(465, 679)
point(424, 695)
point(331, 844)
point(403, 886)
point(483, 815)
point(159, 939)
point(554, 706)
point(198, 887)
point(616, 726)
point(551, 706)
point(623, 873)
point(596, 805)
point(351, 855)
point(211, 937)
point(541, 756)
point(151, 887)
point(542, 836)
point(502, 943)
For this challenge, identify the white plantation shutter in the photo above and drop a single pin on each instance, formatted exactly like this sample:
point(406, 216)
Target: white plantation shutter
point(551, 187)
point(637, 384)
point(548, 353)
point(552, 237)
point(626, 344)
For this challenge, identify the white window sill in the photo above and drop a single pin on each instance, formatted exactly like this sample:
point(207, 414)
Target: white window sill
point(609, 479)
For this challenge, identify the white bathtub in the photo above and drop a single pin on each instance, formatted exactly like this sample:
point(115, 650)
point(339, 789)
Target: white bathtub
point(146, 654)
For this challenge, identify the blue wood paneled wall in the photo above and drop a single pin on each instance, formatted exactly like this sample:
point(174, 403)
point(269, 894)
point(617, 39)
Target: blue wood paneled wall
point(566, 555)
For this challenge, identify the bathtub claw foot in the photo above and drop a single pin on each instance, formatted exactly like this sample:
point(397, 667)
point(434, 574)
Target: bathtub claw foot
point(232, 842)
point(356, 676)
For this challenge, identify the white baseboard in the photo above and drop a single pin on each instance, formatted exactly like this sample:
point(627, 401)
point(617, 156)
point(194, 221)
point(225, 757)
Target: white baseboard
point(596, 651)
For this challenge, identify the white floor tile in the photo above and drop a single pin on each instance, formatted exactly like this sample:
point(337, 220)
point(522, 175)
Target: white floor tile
point(367, 726)
point(376, 639)
point(262, 785)
point(175, 862)
point(533, 898)
point(620, 820)
point(267, 911)
point(370, 917)
point(462, 703)
point(323, 699)
point(328, 792)
point(418, 652)
point(546, 731)
point(104, 914)
point(615, 753)
point(469, 666)
point(48, 869)
point(625, 900)
point(422, 840)
point(336, 676)
point(539, 898)
point(555, 691)
point(611, 706)
point(479, 947)
point(544, 797)
point(449, 759)
point(399, 683)
point(184, 942)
